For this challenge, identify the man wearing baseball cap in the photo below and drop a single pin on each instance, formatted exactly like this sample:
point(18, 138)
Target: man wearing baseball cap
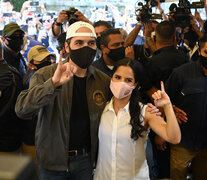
point(12, 38)
point(38, 57)
point(70, 98)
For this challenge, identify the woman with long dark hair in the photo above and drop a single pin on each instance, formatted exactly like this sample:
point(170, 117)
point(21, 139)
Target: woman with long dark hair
point(125, 124)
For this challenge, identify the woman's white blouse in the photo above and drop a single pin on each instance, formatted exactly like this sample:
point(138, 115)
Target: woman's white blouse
point(119, 156)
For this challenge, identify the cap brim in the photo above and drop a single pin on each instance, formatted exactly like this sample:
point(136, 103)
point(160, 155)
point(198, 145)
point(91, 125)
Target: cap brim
point(14, 30)
point(41, 56)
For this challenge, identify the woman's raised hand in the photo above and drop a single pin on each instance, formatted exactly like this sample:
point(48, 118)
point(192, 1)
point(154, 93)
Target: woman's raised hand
point(160, 97)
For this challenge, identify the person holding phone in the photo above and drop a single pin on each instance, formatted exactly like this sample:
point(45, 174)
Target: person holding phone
point(7, 14)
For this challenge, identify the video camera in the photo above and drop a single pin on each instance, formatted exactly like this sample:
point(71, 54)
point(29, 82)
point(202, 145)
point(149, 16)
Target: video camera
point(181, 13)
point(146, 11)
point(71, 15)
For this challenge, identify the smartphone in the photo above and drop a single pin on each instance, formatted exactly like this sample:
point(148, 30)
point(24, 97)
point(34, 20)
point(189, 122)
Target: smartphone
point(7, 14)
point(34, 3)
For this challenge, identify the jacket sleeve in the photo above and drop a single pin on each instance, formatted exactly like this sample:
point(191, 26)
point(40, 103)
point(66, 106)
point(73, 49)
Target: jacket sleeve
point(40, 93)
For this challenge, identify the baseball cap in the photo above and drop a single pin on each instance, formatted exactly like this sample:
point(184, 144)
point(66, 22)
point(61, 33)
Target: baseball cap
point(38, 53)
point(10, 28)
point(72, 30)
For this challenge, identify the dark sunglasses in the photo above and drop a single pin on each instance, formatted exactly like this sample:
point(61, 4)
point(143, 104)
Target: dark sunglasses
point(48, 20)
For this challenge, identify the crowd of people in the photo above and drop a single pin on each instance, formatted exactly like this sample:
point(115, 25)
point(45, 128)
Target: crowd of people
point(83, 98)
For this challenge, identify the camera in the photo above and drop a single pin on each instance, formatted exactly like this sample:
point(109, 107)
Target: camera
point(144, 13)
point(181, 13)
point(71, 15)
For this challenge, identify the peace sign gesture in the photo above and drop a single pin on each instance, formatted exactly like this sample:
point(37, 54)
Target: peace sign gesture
point(63, 73)
point(160, 97)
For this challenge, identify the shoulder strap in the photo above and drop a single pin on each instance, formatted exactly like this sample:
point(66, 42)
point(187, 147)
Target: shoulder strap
point(5, 108)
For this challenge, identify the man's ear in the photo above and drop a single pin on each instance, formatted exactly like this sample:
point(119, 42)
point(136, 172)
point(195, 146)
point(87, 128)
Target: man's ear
point(4, 40)
point(66, 47)
point(104, 49)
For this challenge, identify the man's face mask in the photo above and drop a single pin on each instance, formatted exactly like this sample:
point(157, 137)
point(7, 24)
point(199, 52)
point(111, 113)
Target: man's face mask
point(32, 31)
point(15, 42)
point(83, 57)
point(116, 54)
point(43, 64)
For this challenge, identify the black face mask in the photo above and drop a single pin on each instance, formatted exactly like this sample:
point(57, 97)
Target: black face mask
point(15, 43)
point(203, 61)
point(98, 42)
point(43, 64)
point(116, 54)
point(82, 57)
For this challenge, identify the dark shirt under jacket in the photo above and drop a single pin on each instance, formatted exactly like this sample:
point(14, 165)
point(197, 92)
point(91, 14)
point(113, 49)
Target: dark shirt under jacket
point(187, 88)
point(15, 61)
point(80, 119)
point(163, 62)
point(101, 65)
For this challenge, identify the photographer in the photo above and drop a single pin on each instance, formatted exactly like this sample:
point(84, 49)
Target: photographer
point(194, 26)
point(45, 34)
point(164, 17)
point(63, 17)
point(7, 14)
point(28, 6)
point(142, 52)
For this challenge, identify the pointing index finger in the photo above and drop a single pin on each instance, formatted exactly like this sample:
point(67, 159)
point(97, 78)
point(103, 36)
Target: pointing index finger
point(162, 86)
point(60, 58)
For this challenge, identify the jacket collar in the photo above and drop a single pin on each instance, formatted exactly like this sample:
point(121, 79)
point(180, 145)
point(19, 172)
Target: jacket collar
point(167, 48)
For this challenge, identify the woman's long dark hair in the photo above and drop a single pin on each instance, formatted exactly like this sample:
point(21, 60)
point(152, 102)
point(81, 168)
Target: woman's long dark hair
point(134, 107)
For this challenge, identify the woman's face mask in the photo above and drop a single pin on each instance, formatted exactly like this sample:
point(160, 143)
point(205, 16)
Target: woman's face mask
point(121, 89)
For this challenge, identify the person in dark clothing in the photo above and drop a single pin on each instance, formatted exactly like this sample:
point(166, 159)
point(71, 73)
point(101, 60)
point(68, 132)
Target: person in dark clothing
point(166, 57)
point(10, 124)
point(187, 88)
point(112, 46)
point(159, 68)
point(12, 38)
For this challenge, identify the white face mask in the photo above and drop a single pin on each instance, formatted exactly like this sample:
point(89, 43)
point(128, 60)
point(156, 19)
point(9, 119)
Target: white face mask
point(121, 89)
point(32, 31)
